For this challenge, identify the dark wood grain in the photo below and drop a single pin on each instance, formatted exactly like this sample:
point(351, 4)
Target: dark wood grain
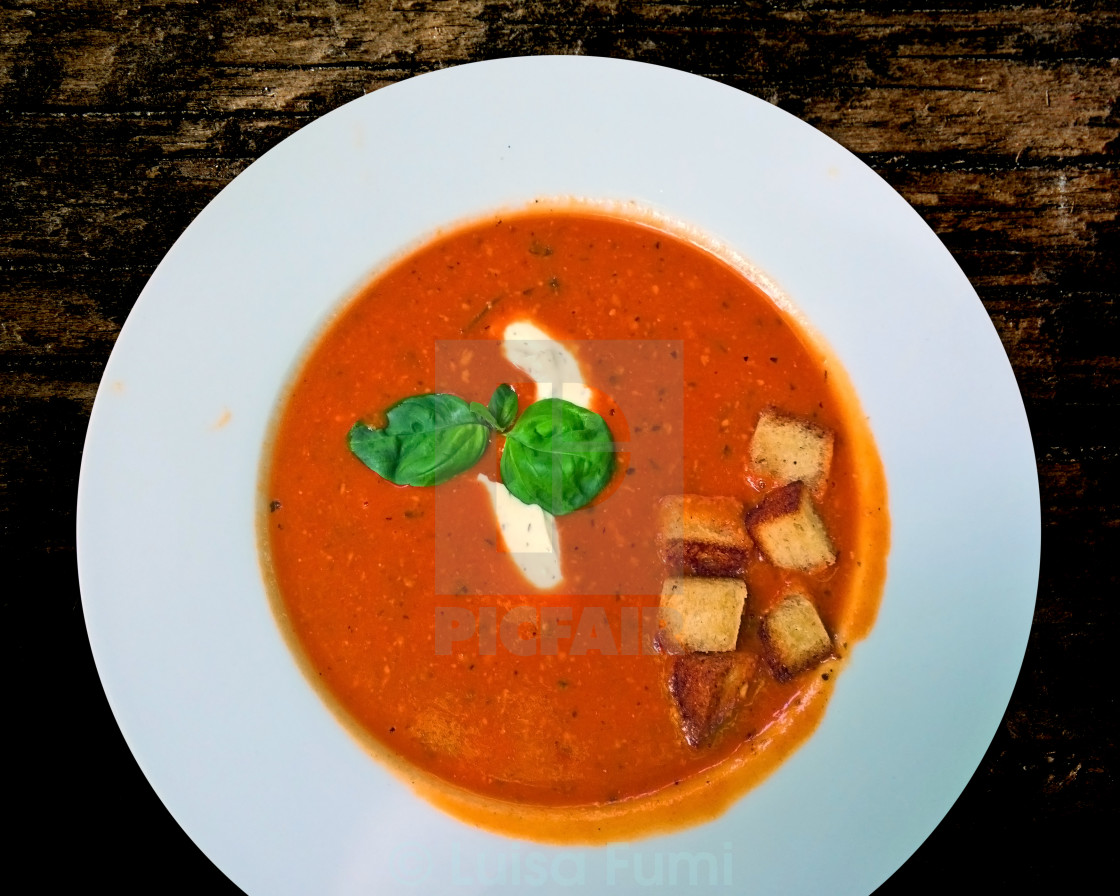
point(119, 121)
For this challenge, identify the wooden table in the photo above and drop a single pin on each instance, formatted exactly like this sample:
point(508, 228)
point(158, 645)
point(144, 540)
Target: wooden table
point(121, 120)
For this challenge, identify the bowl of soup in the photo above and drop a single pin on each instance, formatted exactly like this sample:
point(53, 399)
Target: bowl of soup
point(766, 647)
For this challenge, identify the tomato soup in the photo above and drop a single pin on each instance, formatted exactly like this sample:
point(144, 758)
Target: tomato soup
point(546, 712)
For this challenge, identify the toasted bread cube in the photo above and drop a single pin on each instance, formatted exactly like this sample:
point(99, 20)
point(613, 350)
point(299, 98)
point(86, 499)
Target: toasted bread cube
point(789, 449)
point(790, 532)
point(793, 637)
point(703, 536)
point(702, 614)
point(708, 689)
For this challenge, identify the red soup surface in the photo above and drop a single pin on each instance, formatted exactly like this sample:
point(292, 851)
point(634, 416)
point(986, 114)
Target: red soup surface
point(547, 713)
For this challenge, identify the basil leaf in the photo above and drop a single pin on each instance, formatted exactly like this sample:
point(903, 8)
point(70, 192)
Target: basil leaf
point(502, 410)
point(558, 456)
point(483, 415)
point(427, 440)
point(503, 405)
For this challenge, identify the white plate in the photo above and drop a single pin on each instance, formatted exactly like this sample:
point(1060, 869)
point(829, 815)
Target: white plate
point(233, 739)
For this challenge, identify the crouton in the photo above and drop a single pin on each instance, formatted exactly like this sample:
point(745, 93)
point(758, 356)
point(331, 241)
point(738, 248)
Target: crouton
point(793, 637)
point(707, 689)
point(791, 449)
point(702, 536)
point(789, 531)
point(701, 614)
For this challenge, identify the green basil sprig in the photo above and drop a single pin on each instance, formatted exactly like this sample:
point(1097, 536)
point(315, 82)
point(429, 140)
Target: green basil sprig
point(558, 455)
